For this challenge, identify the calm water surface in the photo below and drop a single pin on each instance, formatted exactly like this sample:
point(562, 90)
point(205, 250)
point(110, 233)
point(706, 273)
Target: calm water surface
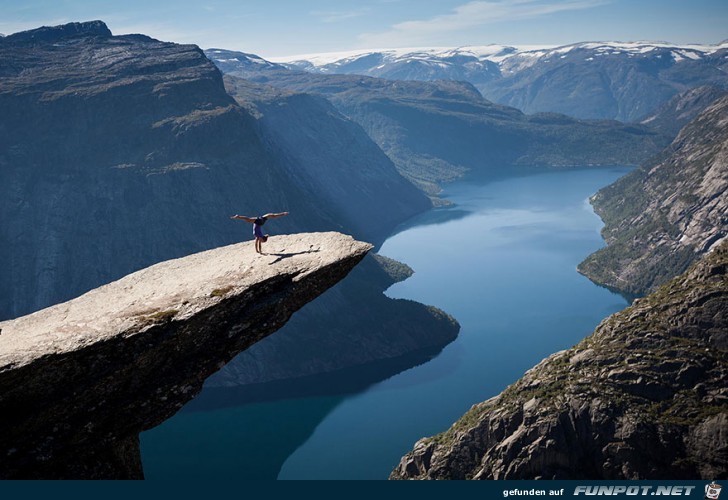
point(502, 261)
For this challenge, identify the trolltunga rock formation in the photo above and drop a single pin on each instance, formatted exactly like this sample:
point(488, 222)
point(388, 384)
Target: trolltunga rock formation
point(80, 380)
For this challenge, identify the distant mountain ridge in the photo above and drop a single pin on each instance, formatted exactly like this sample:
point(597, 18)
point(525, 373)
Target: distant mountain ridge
point(436, 131)
point(225, 58)
point(683, 107)
point(498, 54)
point(616, 80)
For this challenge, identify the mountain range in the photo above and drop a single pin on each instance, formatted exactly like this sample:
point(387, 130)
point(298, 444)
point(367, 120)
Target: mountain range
point(437, 131)
point(117, 152)
point(644, 396)
point(599, 80)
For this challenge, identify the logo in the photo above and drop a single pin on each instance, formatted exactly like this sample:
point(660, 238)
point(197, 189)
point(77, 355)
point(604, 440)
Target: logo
point(644, 490)
point(712, 491)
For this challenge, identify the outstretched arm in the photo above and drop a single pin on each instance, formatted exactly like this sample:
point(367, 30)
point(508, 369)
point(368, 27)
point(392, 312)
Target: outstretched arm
point(243, 217)
point(273, 216)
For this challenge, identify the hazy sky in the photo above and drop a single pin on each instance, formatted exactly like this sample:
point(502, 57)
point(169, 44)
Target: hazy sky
point(287, 27)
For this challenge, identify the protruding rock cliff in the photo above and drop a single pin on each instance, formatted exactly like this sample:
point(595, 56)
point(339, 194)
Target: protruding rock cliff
point(666, 215)
point(118, 152)
point(80, 380)
point(644, 397)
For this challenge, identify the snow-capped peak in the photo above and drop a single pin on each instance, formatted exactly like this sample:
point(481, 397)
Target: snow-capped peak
point(483, 52)
point(496, 53)
point(223, 56)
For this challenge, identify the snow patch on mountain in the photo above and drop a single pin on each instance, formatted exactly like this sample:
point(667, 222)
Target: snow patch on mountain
point(525, 55)
point(494, 53)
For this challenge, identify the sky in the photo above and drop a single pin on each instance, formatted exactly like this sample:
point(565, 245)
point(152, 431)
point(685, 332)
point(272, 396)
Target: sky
point(275, 28)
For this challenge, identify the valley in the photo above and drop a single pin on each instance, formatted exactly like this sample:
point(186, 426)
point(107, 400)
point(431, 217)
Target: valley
point(473, 173)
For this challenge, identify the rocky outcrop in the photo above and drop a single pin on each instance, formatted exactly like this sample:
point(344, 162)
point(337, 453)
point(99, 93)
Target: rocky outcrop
point(664, 216)
point(118, 152)
point(644, 397)
point(80, 380)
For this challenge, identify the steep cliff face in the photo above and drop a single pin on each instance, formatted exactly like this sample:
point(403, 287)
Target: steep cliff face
point(664, 216)
point(331, 156)
point(117, 152)
point(672, 116)
point(81, 379)
point(644, 397)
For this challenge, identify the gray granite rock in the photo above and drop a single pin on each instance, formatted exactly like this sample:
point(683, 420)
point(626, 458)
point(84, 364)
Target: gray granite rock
point(80, 380)
point(664, 216)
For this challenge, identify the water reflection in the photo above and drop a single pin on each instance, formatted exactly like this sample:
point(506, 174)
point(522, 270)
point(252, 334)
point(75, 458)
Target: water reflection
point(247, 432)
point(339, 383)
point(439, 216)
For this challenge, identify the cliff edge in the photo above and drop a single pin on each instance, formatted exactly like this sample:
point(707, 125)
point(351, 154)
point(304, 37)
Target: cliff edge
point(664, 216)
point(644, 397)
point(80, 380)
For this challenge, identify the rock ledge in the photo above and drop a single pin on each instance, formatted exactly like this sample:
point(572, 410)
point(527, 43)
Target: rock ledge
point(80, 380)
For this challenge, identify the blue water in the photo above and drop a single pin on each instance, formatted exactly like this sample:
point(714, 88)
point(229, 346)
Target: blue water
point(502, 260)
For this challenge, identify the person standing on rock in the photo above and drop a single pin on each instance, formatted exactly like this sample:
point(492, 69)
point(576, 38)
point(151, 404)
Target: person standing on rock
point(257, 223)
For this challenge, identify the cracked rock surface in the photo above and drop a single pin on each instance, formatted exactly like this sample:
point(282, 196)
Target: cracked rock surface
point(80, 380)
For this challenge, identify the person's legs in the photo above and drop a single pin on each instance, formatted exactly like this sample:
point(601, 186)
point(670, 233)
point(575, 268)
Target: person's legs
point(259, 238)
